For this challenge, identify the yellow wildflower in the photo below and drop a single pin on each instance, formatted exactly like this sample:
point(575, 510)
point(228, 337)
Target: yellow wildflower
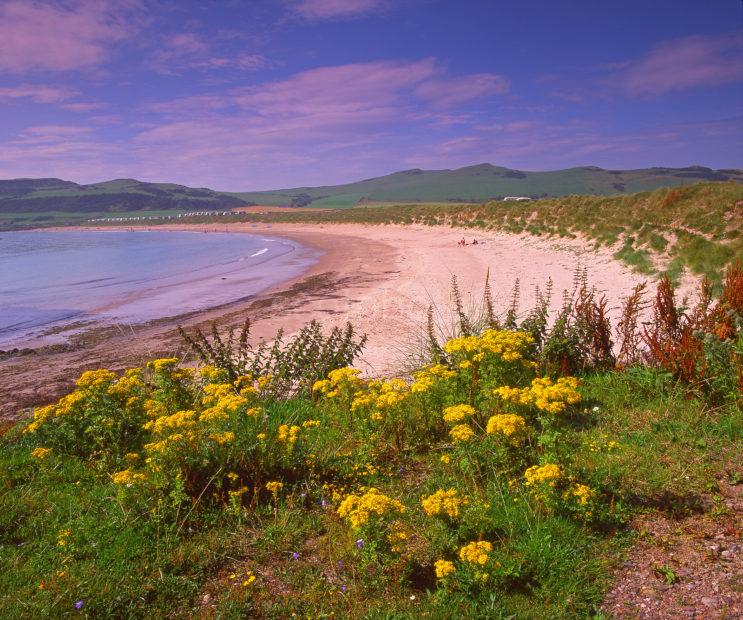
point(41, 453)
point(163, 365)
point(274, 487)
point(443, 502)
point(127, 477)
point(222, 438)
point(358, 509)
point(544, 474)
point(509, 425)
point(476, 552)
point(461, 433)
point(443, 568)
point(95, 378)
point(457, 413)
point(581, 492)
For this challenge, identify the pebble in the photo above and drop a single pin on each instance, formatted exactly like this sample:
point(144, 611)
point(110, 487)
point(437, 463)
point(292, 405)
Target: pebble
point(709, 601)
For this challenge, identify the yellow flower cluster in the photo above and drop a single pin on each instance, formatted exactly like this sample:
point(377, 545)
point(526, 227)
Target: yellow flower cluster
point(443, 502)
point(582, 493)
point(274, 486)
point(212, 374)
point(461, 433)
point(457, 413)
point(543, 474)
point(391, 393)
point(338, 381)
point(544, 394)
point(222, 438)
point(41, 415)
point(506, 345)
point(130, 382)
point(476, 552)
point(162, 365)
point(127, 477)
point(288, 435)
point(397, 539)
point(95, 378)
point(41, 453)
point(426, 378)
point(358, 509)
point(180, 420)
point(443, 568)
point(509, 425)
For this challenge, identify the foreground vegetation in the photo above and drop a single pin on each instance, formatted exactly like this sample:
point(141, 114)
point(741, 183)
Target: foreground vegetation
point(497, 481)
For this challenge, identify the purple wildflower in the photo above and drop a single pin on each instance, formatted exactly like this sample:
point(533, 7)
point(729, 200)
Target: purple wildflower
point(343, 588)
point(340, 564)
point(360, 543)
point(295, 555)
point(79, 604)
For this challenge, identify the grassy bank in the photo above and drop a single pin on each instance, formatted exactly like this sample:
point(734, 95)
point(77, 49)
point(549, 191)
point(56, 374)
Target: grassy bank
point(70, 534)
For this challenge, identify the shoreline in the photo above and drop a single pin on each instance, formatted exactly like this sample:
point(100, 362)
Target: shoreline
point(199, 283)
point(380, 278)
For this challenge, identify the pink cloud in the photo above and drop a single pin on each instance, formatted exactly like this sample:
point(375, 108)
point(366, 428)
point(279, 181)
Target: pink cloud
point(684, 63)
point(37, 93)
point(334, 9)
point(188, 50)
point(352, 94)
point(56, 36)
point(84, 106)
point(451, 91)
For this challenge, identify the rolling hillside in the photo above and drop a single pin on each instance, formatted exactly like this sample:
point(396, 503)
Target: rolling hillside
point(473, 184)
point(55, 195)
point(487, 182)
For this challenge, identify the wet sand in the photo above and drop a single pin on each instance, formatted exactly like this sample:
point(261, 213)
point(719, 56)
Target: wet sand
point(381, 278)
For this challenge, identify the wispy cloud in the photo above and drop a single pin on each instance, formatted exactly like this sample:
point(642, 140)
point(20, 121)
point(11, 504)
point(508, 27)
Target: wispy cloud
point(38, 93)
point(189, 50)
point(61, 36)
point(336, 9)
point(680, 64)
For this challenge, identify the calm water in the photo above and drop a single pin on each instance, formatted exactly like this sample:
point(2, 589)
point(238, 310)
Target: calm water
point(53, 279)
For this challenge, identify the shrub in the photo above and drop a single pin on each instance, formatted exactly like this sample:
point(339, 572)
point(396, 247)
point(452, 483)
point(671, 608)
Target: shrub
point(293, 365)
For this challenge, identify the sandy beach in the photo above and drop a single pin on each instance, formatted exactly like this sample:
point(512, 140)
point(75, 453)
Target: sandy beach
point(381, 278)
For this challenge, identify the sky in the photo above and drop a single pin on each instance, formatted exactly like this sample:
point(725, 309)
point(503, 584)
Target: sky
point(261, 94)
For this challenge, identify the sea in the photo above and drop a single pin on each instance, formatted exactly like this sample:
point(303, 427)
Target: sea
point(53, 283)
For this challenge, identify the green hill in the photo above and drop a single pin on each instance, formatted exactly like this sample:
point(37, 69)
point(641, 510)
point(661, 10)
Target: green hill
point(487, 182)
point(473, 184)
point(55, 195)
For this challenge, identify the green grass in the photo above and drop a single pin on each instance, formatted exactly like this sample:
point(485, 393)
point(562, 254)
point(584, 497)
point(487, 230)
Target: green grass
point(483, 182)
point(122, 562)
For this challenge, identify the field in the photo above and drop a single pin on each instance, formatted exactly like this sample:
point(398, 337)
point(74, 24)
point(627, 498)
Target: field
point(484, 182)
point(500, 480)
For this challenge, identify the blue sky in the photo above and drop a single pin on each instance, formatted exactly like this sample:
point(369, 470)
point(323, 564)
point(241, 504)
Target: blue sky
point(260, 94)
